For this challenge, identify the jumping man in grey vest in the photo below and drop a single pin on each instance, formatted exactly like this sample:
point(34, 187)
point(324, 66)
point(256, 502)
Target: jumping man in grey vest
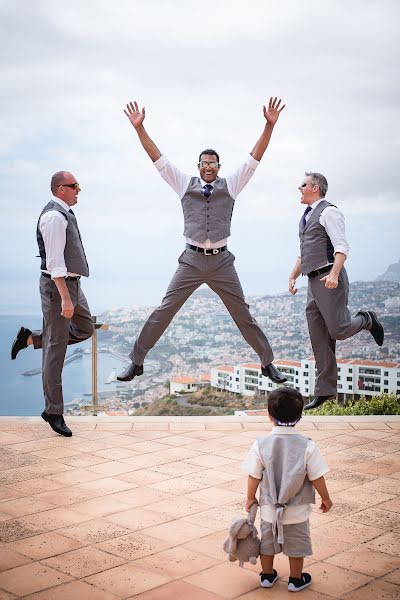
point(323, 251)
point(207, 203)
point(66, 314)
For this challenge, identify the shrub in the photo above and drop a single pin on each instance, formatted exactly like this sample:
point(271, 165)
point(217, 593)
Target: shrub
point(385, 404)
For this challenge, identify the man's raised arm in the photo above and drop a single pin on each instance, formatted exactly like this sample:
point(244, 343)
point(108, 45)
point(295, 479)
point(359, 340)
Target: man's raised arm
point(136, 118)
point(271, 115)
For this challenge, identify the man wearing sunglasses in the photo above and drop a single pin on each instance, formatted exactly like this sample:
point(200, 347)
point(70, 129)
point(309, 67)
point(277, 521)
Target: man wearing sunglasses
point(323, 251)
point(207, 203)
point(66, 314)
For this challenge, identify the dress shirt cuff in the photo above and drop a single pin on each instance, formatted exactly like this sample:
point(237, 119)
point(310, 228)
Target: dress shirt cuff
point(342, 249)
point(252, 162)
point(58, 272)
point(161, 162)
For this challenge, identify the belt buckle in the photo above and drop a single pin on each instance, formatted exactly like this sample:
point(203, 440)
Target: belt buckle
point(206, 252)
point(216, 250)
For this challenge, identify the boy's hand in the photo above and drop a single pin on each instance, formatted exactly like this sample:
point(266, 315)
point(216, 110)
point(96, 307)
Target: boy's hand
point(326, 505)
point(249, 503)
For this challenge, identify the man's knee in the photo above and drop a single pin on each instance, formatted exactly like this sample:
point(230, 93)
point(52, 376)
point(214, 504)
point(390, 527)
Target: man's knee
point(338, 332)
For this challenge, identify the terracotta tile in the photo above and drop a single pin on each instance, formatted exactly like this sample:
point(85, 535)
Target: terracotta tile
point(142, 461)
point(342, 480)
point(335, 581)
point(177, 469)
point(73, 477)
point(280, 592)
point(377, 589)
point(178, 531)
point(218, 426)
point(31, 578)
point(210, 545)
point(376, 468)
point(93, 531)
point(178, 506)
point(83, 562)
point(107, 485)
point(237, 485)
point(393, 505)
point(234, 467)
point(141, 496)
point(236, 440)
point(66, 495)
point(371, 434)
point(376, 517)
point(9, 492)
point(138, 518)
point(387, 445)
point(388, 485)
point(143, 447)
point(206, 434)
point(388, 543)
point(333, 426)
point(364, 560)
point(215, 496)
point(393, 577)
point(36, 486)
point(82, 461)
point(127, 580)
point(92, 447)
point(179, 440)
point(115, 453)
point(56, 453)
point(393, 460)
point(110, 426)
point(341, 509)
point(98, 507)
point(110, 468)
point(6, 596)
point(324, 547)
point(16, 529)
point(156, 427)
point(364, 495)
point(133, 546)
point(44, 545)
point(186, 427)
point(226, 580)
point(208, 460)
point(355, 534)
point(349, 440)
point(143, 477)
point(25, 506)
point(177, 486)
point(149, 435)
point(395, 475)
point(217, 518)
point(178, 590)
point(176, 562)
point(10, 558)
point(75, 590)
point(212, 476)
point(371, 425)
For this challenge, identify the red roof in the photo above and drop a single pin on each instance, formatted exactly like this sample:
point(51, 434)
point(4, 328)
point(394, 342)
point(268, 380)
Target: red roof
point(183, 380)
point(225, 368)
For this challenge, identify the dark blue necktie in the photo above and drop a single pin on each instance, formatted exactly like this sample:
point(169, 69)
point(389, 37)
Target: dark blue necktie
point(303, 218)
point(207, 190)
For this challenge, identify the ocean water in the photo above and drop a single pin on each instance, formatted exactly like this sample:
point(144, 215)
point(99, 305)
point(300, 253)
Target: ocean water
point(21, 395)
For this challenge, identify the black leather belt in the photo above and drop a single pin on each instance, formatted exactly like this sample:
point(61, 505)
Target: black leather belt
point(320, 271)
point(206, 251)
point(68, 278)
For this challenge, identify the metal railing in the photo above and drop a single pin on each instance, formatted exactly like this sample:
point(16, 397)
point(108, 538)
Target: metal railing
point(95, 406)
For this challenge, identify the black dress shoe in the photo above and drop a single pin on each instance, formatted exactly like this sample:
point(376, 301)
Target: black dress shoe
point(20, 342)
point(272, 372)
point(318, 401)
point(376, 328)
point(130, 372)
point(57, 424)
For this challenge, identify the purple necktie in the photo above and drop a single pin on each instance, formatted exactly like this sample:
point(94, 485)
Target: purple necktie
point(207, 190)
point(303, 218)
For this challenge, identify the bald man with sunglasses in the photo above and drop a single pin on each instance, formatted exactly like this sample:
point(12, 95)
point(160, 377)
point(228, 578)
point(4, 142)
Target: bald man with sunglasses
point(66, 314)
point(207, 203)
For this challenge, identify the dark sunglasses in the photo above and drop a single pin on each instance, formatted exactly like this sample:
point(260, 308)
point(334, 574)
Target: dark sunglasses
point(74, 186)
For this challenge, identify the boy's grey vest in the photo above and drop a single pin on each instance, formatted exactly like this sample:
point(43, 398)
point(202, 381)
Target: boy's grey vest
point(74, 254)
point(316, 248)
point(284, 481)
point(207, 218)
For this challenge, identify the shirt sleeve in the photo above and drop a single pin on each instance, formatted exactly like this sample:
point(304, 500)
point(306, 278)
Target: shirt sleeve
point(332, 219)
point(252, 464)
point(53, 227)
point(242, 176)
point(172, 175)
point(315, 463)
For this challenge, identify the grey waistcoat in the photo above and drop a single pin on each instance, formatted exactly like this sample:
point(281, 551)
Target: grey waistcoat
point(284, 481)
point(207, 218)
point(316, 248)
point(74, 254)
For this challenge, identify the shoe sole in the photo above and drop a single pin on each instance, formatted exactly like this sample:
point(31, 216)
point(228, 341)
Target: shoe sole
point(268, 584)
point(65, 434)
point(298, 589)
point(17, 339)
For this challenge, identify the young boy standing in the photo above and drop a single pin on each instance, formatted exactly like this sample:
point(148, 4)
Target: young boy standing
point(287, 466)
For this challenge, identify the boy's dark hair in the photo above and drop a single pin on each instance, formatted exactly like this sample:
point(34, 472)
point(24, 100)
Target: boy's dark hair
point(209, 151)
point(285, 405)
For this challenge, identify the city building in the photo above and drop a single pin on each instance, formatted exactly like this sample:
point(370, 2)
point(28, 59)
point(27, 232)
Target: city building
point(182, 384)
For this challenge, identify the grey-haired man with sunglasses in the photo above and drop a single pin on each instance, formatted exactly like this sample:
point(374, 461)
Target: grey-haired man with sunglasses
point(207, 202)
point(66, 314)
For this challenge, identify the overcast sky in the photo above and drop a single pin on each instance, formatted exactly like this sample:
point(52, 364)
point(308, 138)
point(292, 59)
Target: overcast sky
point(203, 70)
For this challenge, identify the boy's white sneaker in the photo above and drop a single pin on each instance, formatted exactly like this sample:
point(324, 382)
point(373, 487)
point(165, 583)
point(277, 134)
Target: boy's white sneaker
point(268, 579)
point(296, 585)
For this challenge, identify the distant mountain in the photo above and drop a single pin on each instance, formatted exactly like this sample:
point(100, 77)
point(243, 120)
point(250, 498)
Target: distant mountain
point(392, 273)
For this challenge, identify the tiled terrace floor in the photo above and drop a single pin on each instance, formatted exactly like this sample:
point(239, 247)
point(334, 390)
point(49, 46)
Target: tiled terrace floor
point(135, 509)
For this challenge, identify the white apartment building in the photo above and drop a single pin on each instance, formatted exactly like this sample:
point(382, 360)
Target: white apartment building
point(355, 377)
point(182, 384)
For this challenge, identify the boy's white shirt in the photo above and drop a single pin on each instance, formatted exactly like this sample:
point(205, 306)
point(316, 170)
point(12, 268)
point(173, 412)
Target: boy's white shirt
point(314, 465)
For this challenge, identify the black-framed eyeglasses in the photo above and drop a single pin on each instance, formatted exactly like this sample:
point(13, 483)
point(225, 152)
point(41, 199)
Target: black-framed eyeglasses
point(204, 163)
point(74, 186)
point(303, 185)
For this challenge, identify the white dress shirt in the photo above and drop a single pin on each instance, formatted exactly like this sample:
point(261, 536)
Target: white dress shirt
point(53, 227)
point(179, 182)
point(314, 465)
point(333, 222)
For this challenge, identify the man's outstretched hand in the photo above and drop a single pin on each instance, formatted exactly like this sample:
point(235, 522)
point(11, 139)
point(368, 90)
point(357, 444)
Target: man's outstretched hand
point(134, 115)
point(273, 112)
